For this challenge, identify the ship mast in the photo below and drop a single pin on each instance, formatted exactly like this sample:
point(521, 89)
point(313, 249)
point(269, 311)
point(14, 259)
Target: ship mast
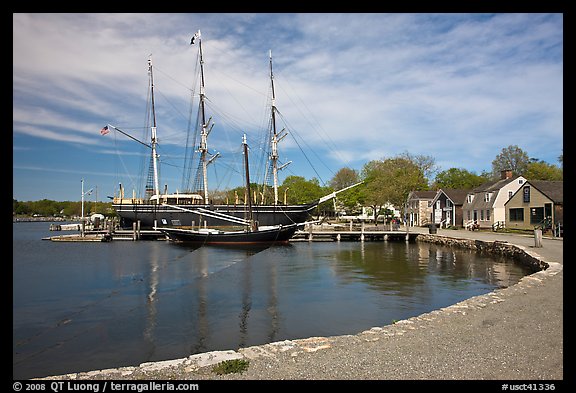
point(276, 137)
point(253, 224)
point(156, 190)
point(206, 127)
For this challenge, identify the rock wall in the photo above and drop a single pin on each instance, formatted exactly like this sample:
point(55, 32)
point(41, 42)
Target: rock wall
point(506, 249)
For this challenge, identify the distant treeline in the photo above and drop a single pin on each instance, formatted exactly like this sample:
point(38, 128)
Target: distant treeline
point(48, 208)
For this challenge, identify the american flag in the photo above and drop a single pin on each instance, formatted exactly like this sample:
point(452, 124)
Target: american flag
point(104, 130)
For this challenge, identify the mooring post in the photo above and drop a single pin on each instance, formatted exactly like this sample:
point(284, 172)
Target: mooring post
point(407, 230)
point(537, 237)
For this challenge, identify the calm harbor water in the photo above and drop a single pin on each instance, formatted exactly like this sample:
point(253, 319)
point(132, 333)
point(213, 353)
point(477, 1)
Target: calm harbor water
point(88, 306)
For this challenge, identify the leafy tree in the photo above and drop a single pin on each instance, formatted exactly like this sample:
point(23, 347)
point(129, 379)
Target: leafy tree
point(540, 170)
point(352, 198)
point(301, 190)
point(343, 178)
point(49, 208)
point(427, 164)
point(511, 158)
point(457, 178)
point(390, 181)
point(237, 195)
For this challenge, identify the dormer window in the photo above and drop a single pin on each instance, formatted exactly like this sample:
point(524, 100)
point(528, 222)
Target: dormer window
point(487, 196)
point(469, 197)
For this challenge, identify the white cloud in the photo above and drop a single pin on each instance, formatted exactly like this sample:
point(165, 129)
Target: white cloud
point(356, 87)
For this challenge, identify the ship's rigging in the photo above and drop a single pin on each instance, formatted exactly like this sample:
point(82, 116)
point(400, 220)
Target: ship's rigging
point(192, 203)
point(197, 147)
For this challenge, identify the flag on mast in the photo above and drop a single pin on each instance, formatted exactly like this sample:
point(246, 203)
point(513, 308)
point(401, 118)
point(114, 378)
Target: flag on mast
point(104, 130)
point(194, 37)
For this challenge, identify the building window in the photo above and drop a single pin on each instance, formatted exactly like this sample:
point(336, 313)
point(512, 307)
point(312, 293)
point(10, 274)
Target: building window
point(468, 214)
point(481, 215)
point(536, 215)
point(488, 214)
point(487, 197)
point(517, 214)
point(526, 194)
point(470, 197)
point(510, 193)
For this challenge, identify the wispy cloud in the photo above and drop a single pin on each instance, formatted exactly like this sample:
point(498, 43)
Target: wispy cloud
point(356, 87)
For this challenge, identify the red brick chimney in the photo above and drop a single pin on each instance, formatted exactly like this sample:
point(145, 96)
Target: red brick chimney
point(506, 174)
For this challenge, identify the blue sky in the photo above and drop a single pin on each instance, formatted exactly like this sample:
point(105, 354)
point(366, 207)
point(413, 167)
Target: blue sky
point(350, 88)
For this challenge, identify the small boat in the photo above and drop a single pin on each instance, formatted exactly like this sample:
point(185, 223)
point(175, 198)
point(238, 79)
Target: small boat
point(252, 233)
point(274, 234)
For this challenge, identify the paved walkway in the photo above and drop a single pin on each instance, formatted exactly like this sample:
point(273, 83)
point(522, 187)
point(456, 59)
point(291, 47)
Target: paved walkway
point(510, 334)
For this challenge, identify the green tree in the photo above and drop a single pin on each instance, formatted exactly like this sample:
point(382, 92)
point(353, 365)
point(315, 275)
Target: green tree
point(390, 181)
point(426, 164)
point(540, 170)
point(50, 208)
point(352, 198)
point(301, 190)
point(511, 158)
point(343, 178)
point(458, 178)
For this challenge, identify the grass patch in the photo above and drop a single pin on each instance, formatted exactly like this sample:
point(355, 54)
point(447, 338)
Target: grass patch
point(231, 366)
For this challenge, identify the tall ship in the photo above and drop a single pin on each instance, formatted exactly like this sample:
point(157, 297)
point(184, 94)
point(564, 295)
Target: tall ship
point(194, 208)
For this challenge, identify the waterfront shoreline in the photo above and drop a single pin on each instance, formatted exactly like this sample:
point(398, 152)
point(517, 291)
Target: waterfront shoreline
point(515, 333)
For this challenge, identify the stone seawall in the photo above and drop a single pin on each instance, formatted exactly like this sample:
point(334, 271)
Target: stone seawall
point(515, 252)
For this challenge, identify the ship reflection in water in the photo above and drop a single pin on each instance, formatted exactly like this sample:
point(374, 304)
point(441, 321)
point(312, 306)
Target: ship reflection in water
point(82, 306)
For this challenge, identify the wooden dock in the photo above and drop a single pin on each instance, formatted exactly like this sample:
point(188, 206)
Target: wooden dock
point(355, 235)
point(315, 233)
point(78, 237)
point(142, 234)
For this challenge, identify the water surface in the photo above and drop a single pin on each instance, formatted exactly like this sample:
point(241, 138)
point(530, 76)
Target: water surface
point(87, 306)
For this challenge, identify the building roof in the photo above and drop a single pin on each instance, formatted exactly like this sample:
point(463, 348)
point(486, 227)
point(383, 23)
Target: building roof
point(494, 185)
point(428, 194)
point(457, 196)
point(553, 189)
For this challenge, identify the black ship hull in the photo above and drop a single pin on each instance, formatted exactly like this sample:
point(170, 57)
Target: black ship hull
point(162, 215)
point(269, 235)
